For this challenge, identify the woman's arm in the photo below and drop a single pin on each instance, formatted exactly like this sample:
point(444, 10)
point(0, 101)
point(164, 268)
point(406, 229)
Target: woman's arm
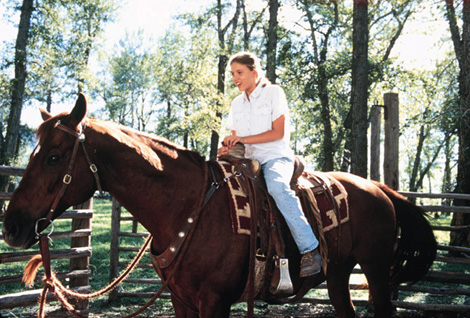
point(276, 133)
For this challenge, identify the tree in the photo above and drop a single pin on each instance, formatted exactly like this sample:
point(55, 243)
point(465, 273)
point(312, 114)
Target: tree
point(434, 121)
point(185, 77)
point(9, 148)
point(225, 49)
point(322, 73)
point(271, 45)
point(359, 88)
point(47, 56)
point(130, 95)
point(461, 42)
point(87, 19)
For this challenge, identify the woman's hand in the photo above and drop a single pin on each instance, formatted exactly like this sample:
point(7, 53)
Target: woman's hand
point(228, 143)
point(231, 140)
point(222, 151)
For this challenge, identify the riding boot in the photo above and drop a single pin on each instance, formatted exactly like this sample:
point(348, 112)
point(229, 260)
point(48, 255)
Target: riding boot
point(311, 263)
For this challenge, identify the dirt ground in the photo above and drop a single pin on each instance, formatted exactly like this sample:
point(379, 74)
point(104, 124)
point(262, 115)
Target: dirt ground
point(262, 310)
point(272, 311)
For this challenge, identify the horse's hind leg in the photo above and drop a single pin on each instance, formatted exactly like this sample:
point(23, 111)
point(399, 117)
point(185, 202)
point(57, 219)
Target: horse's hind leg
point(377, 275)
point(338, 288)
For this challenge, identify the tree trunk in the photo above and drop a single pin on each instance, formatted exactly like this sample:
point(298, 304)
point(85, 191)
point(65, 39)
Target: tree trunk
point(272, 41)
point(327, 143)
point(9, 149)
point(321, 81)
point(359, 88)
point(223, 59)
point(447, 179)
point(462, 52)
point(413, 187)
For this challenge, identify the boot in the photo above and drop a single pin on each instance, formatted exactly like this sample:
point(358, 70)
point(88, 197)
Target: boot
point(310, 264)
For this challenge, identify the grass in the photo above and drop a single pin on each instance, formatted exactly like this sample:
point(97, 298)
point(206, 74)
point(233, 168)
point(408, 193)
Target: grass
point(99, 265)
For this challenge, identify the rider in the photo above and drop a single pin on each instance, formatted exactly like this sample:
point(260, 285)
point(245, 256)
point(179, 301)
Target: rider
point(259, 118)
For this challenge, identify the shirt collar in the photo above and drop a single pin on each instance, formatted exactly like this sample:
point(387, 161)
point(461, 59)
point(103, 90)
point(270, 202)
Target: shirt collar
point(257, 91)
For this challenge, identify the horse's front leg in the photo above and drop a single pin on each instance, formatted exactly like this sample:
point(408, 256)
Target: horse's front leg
point(212, 305)
point(181, 310)
point(209, 305)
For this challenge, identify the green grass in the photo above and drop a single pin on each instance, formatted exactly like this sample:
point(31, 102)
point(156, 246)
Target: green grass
point(99, 265)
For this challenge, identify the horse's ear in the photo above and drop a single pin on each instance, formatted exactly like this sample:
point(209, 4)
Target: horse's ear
point(45, 114)
point(79, 111)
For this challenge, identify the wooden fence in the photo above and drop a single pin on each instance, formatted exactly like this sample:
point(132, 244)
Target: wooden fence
point(118, 247)
point(78, 273)
point(442, 280)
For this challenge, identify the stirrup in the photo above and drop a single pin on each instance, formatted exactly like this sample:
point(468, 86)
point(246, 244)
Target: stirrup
point(284, 285)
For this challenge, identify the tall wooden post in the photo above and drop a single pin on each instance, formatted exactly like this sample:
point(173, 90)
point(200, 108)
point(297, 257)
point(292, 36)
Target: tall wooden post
point(375, 126)
point(391, 140)
point(82, 262)
point(114, 248)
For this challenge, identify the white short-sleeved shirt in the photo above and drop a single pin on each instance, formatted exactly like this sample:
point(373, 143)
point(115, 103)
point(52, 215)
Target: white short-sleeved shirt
point(255, 115)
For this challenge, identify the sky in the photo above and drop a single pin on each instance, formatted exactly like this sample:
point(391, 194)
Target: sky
point(413, 49)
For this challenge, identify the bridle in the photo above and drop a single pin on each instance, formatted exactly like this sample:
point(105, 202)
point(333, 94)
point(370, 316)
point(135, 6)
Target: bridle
point(67, 179)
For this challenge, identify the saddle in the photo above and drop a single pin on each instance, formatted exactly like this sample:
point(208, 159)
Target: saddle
point(271, 249)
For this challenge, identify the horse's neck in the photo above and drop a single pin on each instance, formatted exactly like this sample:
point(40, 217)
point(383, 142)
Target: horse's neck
point(159, 189)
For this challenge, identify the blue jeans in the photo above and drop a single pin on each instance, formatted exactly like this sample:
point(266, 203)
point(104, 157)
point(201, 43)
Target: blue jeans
point(278, 173)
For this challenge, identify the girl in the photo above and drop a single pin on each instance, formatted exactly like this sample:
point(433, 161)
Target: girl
point(259, 118)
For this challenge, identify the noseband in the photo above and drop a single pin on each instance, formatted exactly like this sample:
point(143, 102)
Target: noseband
point(80, 139)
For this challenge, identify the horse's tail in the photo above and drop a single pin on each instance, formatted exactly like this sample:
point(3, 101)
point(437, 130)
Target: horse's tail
point(417, 245)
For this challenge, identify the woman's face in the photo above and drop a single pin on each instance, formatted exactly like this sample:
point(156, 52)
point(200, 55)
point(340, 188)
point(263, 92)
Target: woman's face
point(244, 78)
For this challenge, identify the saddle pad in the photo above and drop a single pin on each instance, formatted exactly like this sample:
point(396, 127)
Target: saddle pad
point(240, 210)
point(321, 202)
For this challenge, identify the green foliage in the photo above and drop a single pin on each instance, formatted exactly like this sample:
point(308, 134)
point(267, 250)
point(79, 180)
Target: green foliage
point(130, 94)
point(168, 85)
point(187, 86)
point(63, 35)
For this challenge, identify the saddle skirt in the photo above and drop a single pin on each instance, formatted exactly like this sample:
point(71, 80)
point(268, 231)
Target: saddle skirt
point(240, 210)
point(327, 196)
point(319, 193)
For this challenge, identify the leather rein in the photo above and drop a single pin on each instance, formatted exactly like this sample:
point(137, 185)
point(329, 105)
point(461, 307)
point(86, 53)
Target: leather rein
point(182, 241)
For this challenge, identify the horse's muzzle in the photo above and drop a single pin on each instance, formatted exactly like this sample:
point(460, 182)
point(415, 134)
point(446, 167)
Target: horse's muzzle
point(16, 236)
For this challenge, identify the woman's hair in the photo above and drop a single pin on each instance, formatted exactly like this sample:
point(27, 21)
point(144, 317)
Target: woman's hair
point(252, 62)
point(247, 58)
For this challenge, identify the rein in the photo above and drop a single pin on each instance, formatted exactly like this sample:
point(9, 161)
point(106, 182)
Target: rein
point(51, 283)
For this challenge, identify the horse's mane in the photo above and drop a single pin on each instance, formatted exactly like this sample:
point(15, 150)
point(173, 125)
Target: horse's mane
point(144, 144)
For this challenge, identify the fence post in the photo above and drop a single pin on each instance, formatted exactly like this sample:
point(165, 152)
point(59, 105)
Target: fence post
point(114, 246)
point(82, 262)
point(391, 140)
point(375, 126)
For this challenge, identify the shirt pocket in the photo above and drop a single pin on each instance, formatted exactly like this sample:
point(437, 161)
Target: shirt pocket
point(241, 122)
point(261, 116)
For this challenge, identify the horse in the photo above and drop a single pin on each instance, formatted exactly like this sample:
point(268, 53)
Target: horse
point(163, 185)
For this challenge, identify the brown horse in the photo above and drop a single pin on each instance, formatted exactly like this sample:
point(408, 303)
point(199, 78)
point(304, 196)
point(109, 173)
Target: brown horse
point(161, 183)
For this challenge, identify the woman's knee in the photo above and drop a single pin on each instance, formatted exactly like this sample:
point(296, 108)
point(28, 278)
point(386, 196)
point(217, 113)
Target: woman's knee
point(277, 189)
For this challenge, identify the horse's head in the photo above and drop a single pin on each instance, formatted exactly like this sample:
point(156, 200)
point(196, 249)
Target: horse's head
point(57, 177)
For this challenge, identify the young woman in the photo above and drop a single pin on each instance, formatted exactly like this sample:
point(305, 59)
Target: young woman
point(259, 118)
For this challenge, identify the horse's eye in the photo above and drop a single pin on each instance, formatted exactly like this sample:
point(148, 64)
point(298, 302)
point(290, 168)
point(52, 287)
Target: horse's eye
point(53, 160)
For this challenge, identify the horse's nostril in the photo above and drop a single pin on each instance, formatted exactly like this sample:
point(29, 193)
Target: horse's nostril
point(12, 231)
